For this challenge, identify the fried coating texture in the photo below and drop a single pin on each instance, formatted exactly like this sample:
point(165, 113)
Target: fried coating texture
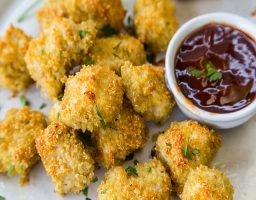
point(171, 145)
point(56, 51)
point(18, 132)
point(207, 184)
point(146, 89)
point(125, 134)
point(93, 88)
point(65, 158)
point(103, 12)
point(152, 182)
point(155, 23)
point(114, 51)
point(14, 74)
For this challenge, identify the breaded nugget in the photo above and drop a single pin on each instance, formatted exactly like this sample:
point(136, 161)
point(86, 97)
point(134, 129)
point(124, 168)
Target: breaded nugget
point(92, 97)
point(125, 134)
point(207, 184)
point(104, 12)
point(65, 158)
point(114, 51)
point(18, 132)
point(145, 87)
point(184, 146)
point(13, 71)
point(56, 51)
point(147, 181)
point(155, 23)
point(54, 112)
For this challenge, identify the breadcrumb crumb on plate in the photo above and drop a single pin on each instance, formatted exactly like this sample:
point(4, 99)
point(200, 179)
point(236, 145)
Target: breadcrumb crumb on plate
point(18, 132)
point(65, 158)
point(146, 182)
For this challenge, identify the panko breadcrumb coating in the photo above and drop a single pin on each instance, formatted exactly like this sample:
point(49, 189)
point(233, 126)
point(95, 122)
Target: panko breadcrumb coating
point(146, 89)
point(155, 23)
point(65, 158)
point(56, 51)
point(94, 91)
point(184, 146)
point(18, 132)
point(125, 134)
point(152, 182)
point(207, 184)
point(114, 51)
point(54, 112)
point(14, 74)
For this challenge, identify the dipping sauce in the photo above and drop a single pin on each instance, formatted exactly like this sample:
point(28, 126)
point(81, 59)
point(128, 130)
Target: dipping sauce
point(215, 68)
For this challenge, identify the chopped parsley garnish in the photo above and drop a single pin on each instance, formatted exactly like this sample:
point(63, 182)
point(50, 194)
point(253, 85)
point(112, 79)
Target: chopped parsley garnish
point(24, 15)
point(108, 31)
point(149, 169)
point(186, 152)
point(196, 151)
point(168, 144)
point(10, 170)
point(43, 105)
point(102, 121)
point(117, 46)
point(82, 34)
point(43, 51)
point(89, 62)
point(135, 162)
point(195, 72)
point(2, 198)
point(95, 179)
point(60, 96)
point(129, 157)
point(85, 191)
point(24, 101)
point(131, 171)
point(104, 191)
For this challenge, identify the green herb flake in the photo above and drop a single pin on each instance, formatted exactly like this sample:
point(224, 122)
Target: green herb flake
point(195, 72)
point(10, 170)
point(24, 15)
point(117, 46)
point(85, 191)
point(149, 169)
point(168, 144)
point(24, 101)
point(102, 121)
point(186, 152)
point(196, 151)
point(89, 62)
point(104, 191)
point(43, 51)
point(95, 179)
point(108, 31)
point(60, 96)
point(82, 34)
point(212, 73)
point(216, 76)
point(2, 198)
point(131, 171)
point(43, 105)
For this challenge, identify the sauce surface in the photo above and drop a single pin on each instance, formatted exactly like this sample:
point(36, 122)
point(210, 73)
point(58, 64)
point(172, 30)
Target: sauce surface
point(215, 68)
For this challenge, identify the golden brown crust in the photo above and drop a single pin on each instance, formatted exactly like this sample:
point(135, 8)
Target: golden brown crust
point(56, 51)
point(94, 87)
point(146, 89)
point(170, 148)
point(207, 184)
point(65, 158)
point(14, 74)
point(18, 132)
point(152, 182)
point(125, 134)
point(155, 23)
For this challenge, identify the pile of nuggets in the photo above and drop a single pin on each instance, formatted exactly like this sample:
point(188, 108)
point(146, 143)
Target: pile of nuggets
point(103, 90)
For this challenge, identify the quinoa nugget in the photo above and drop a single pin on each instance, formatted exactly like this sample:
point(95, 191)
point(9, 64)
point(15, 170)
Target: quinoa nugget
point(120, 138)
point(18, 132)
point(207, 184)
point(146, 89)
point(184, 146)
point(65, 158)
point(147, 182)
point(114, 51)
point(94, 94)
point(56, 51)
point(155, 23)
point(14, 74)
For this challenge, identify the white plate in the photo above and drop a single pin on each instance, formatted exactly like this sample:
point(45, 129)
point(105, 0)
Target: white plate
point(237, 157)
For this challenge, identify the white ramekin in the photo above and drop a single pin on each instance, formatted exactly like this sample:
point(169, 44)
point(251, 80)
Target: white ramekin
point(216, 120)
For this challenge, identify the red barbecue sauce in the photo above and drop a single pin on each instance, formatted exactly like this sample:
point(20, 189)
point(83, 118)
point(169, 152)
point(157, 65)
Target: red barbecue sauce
point(232, 53)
